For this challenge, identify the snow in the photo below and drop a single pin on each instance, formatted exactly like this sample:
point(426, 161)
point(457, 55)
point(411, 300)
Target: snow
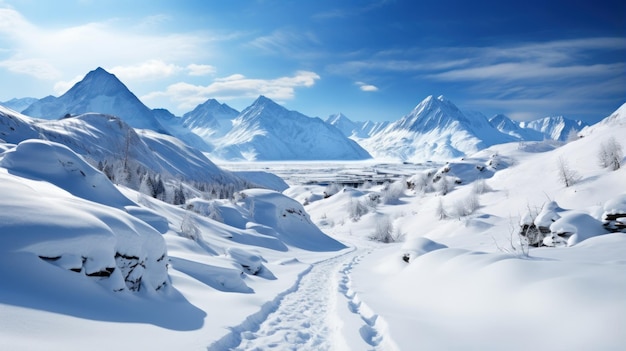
point(101, 92)
point(89, 264)
point(258, 134)
point(434, 130)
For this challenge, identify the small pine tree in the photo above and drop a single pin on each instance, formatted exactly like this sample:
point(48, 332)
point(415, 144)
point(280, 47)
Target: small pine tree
point(179, 195)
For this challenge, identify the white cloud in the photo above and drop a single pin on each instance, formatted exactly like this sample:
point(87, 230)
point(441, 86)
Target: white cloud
point(188, 96)
point(366, 87)
point(51, 53)
point(151, 69)
point(200, 70)
point(31, 66)
point(523, 70)
point(63, 86)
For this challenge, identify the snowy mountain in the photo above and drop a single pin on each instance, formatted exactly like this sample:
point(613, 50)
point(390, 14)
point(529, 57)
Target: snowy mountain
point(268, 131)
point(507, 126)
point(434, 130)
point(210, 120)
point(343, 123)
point(99, 92)
point(555, 128)
point(108, 140)
point(355, 129)
point(19, 104)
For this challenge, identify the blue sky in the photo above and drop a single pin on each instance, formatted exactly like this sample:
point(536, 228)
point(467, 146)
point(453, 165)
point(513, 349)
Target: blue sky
point(368, 59)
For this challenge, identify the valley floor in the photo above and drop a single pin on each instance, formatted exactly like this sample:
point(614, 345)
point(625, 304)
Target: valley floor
point(263, 276)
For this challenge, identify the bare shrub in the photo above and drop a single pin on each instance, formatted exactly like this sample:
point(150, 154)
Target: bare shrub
point(611, 154)
point(393, 193)
point(466, 206)
point(480, 187)
point(441, 211)
point(567, 176)
point(384, 231)
point(357, 209)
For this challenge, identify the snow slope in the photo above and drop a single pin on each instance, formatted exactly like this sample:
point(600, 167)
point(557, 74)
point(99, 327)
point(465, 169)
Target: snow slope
point(86, 267)
point(462, 269)
point(104, 138)
point(268, 131)
point(86, 264)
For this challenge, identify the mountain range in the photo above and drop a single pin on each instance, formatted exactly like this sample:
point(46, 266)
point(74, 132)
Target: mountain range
point(435, 129)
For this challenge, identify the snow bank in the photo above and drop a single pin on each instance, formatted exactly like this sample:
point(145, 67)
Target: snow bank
point(288, 218)
point(71, 216)
point(57, 164)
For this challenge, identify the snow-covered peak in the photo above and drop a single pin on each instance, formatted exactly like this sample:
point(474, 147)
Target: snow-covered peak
point(19, 104)
point(436, 129)
point(555, 127)
point(210, 119)
point(101, 92)
point(99, 82)
point(431, 114)
point(343, 123)
point(268, 131)
point(502, 122)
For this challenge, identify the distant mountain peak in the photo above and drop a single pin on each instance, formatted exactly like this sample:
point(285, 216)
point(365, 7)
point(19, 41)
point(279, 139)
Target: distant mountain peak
point(102, 92)
point(99, 82)
point(263, 100)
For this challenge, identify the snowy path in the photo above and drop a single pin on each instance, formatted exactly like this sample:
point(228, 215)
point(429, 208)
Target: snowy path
point(321, 312)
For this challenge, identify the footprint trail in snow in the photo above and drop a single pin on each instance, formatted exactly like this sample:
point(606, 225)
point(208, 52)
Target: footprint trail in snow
point(322, 313)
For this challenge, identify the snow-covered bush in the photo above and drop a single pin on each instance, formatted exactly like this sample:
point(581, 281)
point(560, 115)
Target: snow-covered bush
point(440, 211)
point(393, 193)
point(528, 230)
point(611, 154)
point(206, 208)
point(331, 189)
point(535, 225)
point(357, 209)
point(567, 176)
point(189, 227)
point(420, 182)
point(480, 187)
point(466, 206)
point(384, 231)
point(442, 185)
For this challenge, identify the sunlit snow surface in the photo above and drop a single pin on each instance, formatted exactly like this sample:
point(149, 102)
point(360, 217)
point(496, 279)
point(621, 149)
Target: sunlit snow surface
point(298, 270)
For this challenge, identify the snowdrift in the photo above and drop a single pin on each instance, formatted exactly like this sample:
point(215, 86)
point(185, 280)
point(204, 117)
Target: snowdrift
point(60, 210)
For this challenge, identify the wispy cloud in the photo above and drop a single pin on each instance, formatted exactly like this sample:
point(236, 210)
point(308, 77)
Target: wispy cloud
point(200, 70)
point(366, 87)
point(236, 86)
point(287, 41)
point(50, 53)
point(148, 70)
point(525, 79)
